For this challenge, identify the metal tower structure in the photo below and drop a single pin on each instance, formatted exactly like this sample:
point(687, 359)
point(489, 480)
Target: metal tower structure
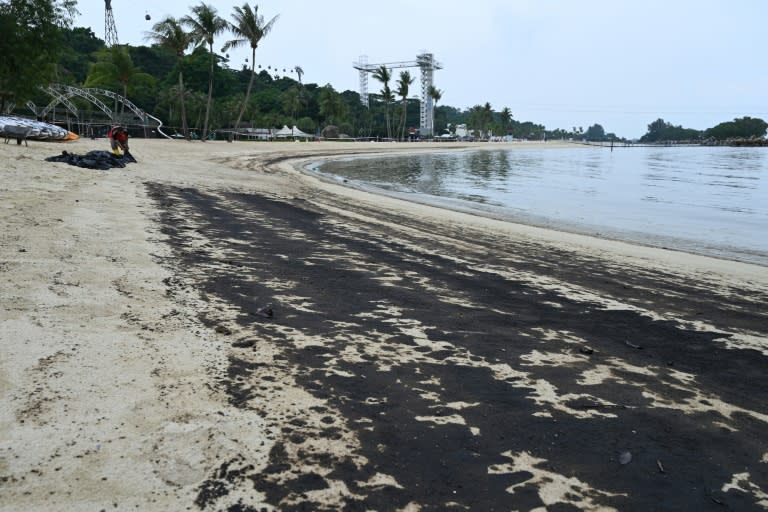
point(110, 30)
point(62, 93)
point(427, 63)
point(362, 66)
point(428, 66)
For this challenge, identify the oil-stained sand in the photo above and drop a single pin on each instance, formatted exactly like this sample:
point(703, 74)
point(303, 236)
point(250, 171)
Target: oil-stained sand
point(505, 376)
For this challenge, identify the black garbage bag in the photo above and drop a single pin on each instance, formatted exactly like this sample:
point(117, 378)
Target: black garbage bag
point(102, 160)
point(128, 158)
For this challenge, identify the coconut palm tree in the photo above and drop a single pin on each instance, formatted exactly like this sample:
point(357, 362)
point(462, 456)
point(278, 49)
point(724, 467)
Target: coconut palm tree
point(384, 75)
point(114, 69)
point(249, 28)
point(436, 95)
point(293, 99)
point(168, 102)
point(475, 120)
point(487, 118)
point(205, 24)
point(169, 33)
point(332, 106)
point(505, 119)
point(299, 72)
point(197, 102)
point(403, 85)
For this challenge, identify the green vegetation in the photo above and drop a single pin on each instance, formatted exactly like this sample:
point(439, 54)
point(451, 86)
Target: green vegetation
point(205, 24)
point(403, 87)
point(384, 75)
point(114, 70)
point(249, 28)
point(30, 46)
point(743, 128)
point(661, 131)
point(181, 80)
point(169, 34)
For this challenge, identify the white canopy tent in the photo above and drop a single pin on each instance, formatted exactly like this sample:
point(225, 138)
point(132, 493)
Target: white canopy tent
point(286, 132)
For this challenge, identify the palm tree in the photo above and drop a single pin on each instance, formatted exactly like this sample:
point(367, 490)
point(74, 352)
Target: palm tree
point(402, 89)
point(505, 119)
point(114, 69)
point(383, 75)
point(168, 99)
point(205, 25)
point(250, 28)
point(227, 108)
point(293, 99)
point(487, 117)
point(436, 95)
point(170, 34)
point(299, 72)
point(197, 103)
point(331, 104)
point(475, 119)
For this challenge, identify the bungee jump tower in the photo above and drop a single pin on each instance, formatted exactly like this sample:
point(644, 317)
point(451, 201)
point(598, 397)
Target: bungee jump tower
point(427, 64)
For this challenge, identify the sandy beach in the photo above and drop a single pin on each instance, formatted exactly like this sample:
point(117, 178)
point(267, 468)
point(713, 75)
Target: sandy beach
point(213, 329)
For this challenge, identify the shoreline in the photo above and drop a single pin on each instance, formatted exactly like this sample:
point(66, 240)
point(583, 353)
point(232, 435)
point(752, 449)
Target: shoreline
point(213, 327)
point(632, 249)
point(639, 238)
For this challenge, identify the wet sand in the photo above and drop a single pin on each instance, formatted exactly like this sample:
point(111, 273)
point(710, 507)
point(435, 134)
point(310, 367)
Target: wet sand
point(212, 328)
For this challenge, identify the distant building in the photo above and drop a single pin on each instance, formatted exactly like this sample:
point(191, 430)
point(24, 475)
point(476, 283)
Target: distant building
point(258, 133)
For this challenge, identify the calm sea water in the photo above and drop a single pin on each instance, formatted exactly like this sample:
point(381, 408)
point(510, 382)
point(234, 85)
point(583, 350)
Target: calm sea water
point(706, 200)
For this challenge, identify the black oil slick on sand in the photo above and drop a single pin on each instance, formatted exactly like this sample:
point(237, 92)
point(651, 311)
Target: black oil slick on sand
point(460, 377)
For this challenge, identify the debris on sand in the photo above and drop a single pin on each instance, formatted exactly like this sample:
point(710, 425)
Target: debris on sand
point(101, 160)
point(266, 311)
point(625, 458)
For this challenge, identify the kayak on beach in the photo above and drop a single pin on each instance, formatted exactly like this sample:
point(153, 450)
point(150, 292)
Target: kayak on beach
point(12, 126)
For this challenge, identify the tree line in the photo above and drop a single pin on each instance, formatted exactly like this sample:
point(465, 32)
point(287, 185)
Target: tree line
point(180, 78)
point(740, 128)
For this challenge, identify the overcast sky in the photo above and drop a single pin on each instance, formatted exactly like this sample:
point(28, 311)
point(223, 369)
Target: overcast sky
point(560, 63)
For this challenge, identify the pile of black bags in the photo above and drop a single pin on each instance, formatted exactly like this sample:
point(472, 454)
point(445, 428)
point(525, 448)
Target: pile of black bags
point(102, 160)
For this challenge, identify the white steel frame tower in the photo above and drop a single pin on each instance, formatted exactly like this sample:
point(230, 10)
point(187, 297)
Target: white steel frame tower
point(362, 66)
point(427, 64)
point(110, 30)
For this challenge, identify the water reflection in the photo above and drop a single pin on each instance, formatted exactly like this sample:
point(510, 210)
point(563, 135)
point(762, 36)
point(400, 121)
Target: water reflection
point(742, 159)
point(713, 196)
point(430, 180)
point(488, 165)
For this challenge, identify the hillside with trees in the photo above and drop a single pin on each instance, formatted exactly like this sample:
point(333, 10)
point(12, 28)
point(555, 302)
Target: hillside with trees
point(744, 128)
point(179, 78)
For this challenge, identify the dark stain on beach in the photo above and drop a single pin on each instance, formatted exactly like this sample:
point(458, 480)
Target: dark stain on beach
point(429, 329)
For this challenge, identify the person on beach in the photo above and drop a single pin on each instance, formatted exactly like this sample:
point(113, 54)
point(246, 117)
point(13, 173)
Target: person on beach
point(118, 140)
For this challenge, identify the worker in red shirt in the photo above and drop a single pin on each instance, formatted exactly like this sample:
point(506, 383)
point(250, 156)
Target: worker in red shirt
point(118, 140)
